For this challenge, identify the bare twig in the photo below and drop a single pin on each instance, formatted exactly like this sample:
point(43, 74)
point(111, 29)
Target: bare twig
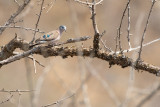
point(39, 16)
point(145, 29)
point(30, 57)
point(118, 38)
point(108, 49)
point(39, 83)
point(15, 91)
point(71, 40)
point(59, 101)
point(144, 45)
point(35, 68)
point(19, 100)
point(14, 15)
point(84, 85)
point(17, 2)
point(8, 99)
point(148, 97)
point(50, 5)
point(129, 27)
point(88, 3)
point(94, 18)
point(21, 27)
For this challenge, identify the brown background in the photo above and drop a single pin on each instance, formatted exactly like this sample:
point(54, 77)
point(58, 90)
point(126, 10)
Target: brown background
point(65, 76)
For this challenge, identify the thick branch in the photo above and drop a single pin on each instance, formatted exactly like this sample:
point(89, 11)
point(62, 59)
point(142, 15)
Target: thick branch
point(96, 35)
point(8, 49)
point(65, 52)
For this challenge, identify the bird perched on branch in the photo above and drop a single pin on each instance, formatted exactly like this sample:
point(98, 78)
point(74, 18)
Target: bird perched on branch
point(51, 37)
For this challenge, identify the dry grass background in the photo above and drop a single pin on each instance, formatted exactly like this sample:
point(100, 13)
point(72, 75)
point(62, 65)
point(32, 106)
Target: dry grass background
point(65, 76)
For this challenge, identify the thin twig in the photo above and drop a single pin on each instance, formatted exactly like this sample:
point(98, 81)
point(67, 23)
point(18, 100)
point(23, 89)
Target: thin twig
point(118, 38)
point(144, 45)
point(129, 27)
point(21, 27)
point(14, 15)
point(50, 4)
point(94, 18)
point(30, 57)
point(19, 100)
point(17, 2)
point(39, 84)
point(15, 91)
point(104, 84)
point(8, 99)
point(59, 101)
point(88, 3)
point(108, 49)
point(148, 97)
point(35, 68)
point(84, 86)
point(145, 29)
point(39, 16)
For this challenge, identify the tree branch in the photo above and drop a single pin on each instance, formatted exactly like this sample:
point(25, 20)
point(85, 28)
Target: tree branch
point(145, 29)
point(39, 16)
point(96, 31)
point(65, 52)
point(14, 15)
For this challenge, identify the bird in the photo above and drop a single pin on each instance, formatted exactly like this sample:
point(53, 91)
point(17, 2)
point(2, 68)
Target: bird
point(51, 37)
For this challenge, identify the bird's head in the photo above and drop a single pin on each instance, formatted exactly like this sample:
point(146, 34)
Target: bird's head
point(62, 28)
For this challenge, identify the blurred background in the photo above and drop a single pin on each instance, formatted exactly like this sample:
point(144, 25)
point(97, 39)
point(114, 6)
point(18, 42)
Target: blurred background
point(91, 80)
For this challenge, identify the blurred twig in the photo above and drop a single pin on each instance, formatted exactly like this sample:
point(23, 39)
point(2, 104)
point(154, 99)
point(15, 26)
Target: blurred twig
point(59, 101)
point(108, 49)
point(50, 4)
point(8, 99)
point(71, 40)
point(21, 27)
point(88, 3)
point(145, 29)
point(104, 84)
point(15, 91)
point(17, 2)
point(148, 97)
point(14, 15)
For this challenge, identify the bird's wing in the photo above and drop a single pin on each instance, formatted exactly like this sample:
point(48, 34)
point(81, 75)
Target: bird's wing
point(50, 36)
